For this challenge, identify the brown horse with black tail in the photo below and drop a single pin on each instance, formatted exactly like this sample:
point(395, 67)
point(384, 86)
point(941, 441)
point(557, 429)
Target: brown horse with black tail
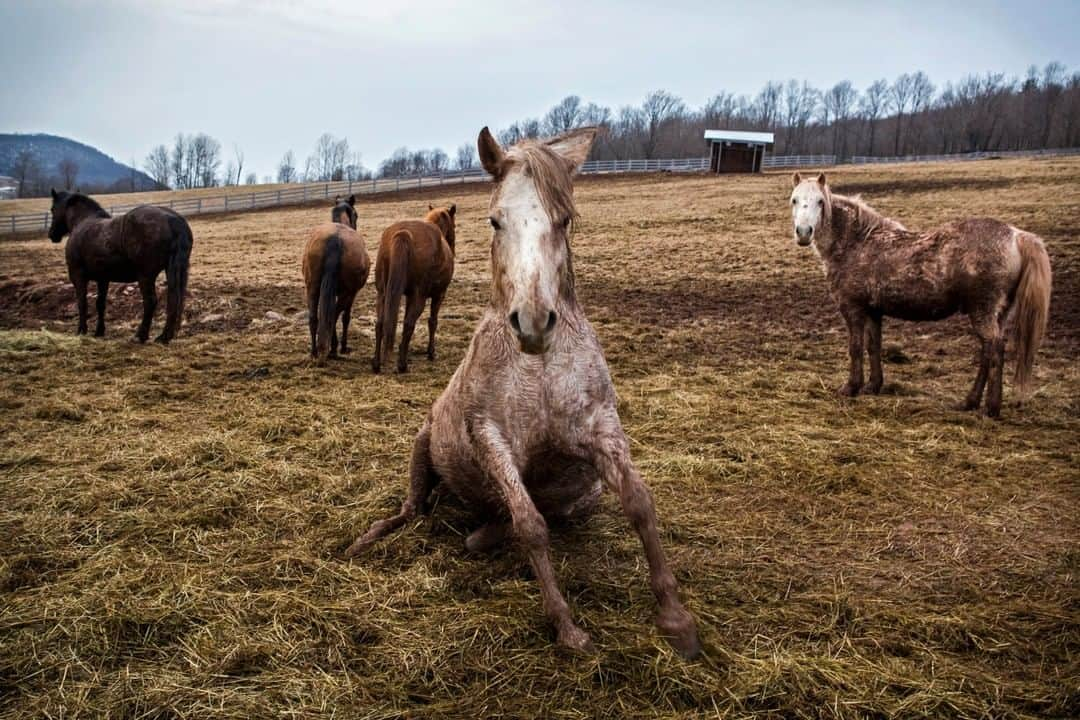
point(335, 266)
point(416, 259)
point(996, 274)
point(134, 247)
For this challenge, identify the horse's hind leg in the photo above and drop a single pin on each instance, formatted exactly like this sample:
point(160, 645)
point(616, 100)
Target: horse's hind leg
point(422, 480)
point(313, 320)
point(102, 297)
point(346, 317)
point(877, 376)
point(991, 356)
point(414, 305)
point(149, 300)
point(433, 322)
point(376, 360)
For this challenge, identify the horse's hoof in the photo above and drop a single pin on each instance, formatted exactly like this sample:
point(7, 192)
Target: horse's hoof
point(576, 639)
point(346, 351)
point(872, 389)
point(847, 390)
point(486, 538)
point(402, 369)
point(966, 406)
point(376, 368)
point(431, 356)
point(680, 630)
point(161, 339)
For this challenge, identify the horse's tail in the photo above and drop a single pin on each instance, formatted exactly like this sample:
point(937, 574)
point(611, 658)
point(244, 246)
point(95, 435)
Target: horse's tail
point(328, 285)
point(1032, 307)
point(176, 275)
point(396, 279)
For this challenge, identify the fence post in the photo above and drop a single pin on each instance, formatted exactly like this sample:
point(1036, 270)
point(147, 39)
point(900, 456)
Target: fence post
point(226, 203)
point(12, 223)
point(198, 206)
point(397, 183)
point(326, 191)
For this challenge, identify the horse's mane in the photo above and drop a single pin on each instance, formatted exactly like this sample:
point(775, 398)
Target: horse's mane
point(858, 217)
point(550, 175)
point(79, 200)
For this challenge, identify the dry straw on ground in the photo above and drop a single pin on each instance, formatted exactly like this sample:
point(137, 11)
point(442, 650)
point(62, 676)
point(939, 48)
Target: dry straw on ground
point(172, 517)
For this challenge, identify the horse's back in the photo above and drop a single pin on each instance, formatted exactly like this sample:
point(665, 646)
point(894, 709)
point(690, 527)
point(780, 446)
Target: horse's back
point(355, 263)
point(431, 261)
point(126, 247)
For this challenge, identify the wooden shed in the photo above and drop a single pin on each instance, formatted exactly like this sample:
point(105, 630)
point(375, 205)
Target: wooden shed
point(737, 150)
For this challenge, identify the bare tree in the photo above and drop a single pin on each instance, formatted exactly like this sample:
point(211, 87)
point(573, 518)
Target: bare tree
point(26, 172)
point(68, 170)
point(239, 155)
point(286, 171)
point(466, 156)
point(840, 99)
point(157, 165)
point(251, 179)
point(658, 108)
point(900, 94)
point(566, 115)
point(178, 159)
point(872, 106)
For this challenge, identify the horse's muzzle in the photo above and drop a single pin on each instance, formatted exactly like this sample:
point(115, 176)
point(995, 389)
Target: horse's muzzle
point(533, 333)
point(803, 235)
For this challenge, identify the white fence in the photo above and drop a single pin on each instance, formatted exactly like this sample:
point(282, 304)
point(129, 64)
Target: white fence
point(988, 155)
point(297, 194)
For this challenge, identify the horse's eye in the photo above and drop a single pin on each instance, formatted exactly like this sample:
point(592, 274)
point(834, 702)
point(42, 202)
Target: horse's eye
point(821, 203)
point(566, 222)
point(494, 223)
point(794, 201)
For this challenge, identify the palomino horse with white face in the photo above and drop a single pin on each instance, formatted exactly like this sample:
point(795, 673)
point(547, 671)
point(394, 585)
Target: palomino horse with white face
point(995, 273)
point(527, 431)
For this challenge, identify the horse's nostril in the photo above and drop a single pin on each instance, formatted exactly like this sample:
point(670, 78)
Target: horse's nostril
point(550, 322)
point(515, 323)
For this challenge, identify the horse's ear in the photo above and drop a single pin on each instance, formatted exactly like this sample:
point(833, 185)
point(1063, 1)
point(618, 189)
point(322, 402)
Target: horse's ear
point(53, 191)
point(430, 206)
point(453, 209)
point(574, 146)
point(796, 179)
point(351, 200)
point(821, 179)
point(491, 154)
point(337, 199)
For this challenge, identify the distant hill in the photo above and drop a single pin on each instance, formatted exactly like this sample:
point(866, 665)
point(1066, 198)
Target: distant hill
point(97, 172)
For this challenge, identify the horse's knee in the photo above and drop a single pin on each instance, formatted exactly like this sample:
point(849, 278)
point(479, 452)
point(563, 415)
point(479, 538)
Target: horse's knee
point(531, 530)
point(638, 504)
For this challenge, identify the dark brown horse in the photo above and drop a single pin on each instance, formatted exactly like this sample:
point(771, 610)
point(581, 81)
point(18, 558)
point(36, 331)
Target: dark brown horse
point(134, 247)
point(416, 259)
point(995, 273)
point(335, 266)
point(527, 432)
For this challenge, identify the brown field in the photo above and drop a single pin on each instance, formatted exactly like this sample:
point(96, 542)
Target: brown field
point(173, 516)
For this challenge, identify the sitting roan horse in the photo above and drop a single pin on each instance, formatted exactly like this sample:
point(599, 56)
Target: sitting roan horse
point(995, 273)
point(335, 266)
point(416, 259)
point(527, 431)
point(134, 247)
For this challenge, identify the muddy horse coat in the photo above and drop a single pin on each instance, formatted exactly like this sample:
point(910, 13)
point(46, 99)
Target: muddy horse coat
point(996, 274)
point(134, 247)
point(527, 432)
point(335, 265)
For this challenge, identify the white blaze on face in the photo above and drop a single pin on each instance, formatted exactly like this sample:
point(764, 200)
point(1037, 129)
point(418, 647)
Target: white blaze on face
point(530, 259)
point(807, 209)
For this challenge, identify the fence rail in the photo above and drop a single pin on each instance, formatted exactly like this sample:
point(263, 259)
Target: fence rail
point(298, 194)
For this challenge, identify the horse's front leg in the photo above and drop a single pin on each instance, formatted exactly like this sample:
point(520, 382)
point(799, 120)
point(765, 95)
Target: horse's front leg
point(856, 322)
point(80, 301)
point(877, 375)
point(611, 456)
point(346, 317)
point(102, 298)
point(529, 529)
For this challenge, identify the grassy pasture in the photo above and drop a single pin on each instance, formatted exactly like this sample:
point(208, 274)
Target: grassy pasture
point(172, 517)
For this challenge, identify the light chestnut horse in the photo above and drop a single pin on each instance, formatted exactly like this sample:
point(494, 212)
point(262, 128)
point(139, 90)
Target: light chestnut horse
point(527, 431)
point(995, 273)
point(335, 264)
point(416, 259)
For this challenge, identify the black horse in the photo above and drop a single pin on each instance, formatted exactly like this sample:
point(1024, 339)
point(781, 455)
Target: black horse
point(134, 247)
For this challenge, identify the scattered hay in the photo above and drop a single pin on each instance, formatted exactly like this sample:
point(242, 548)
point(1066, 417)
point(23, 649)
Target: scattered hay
point(172, 516)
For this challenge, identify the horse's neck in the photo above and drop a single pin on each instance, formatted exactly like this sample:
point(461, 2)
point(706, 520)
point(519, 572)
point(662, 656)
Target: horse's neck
point(848, 227)
point(81, 212)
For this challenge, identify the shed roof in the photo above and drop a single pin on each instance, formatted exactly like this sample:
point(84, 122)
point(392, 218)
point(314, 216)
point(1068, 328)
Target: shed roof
point(744, 136)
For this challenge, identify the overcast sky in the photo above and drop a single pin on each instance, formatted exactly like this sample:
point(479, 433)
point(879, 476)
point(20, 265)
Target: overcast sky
point(272, 75)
